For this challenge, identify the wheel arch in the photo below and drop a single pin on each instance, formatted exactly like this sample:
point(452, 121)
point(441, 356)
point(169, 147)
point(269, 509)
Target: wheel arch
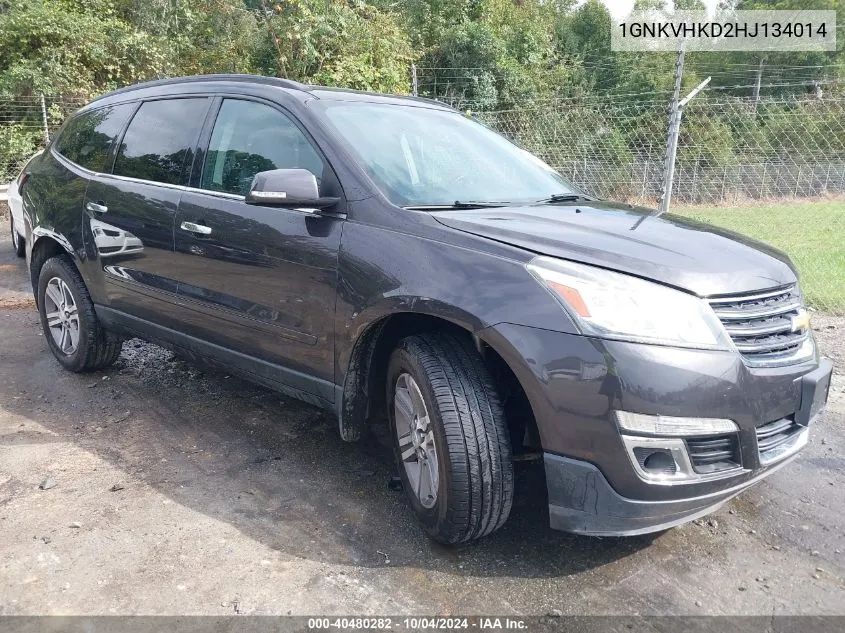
point(362, 398)
point(46, 244)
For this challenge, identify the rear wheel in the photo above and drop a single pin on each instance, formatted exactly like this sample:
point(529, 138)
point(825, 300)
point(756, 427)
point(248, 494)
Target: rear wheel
point(450, 438)
point(70, 325)
point(18, 243)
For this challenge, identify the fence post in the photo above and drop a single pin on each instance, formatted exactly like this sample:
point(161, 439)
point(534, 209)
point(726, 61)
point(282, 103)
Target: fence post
point(44, 119)
point(694, 195)
point(414, 86)
point(645, 179)
point(672, 136)
point(757, 85)
point(674, 131)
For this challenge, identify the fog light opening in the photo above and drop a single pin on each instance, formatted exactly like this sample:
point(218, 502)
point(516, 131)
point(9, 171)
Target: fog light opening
point(660, 461)
point(656, 461)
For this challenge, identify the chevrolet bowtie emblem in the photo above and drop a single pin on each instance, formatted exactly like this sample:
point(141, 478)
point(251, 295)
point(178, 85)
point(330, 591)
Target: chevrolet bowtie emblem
point(801, 321)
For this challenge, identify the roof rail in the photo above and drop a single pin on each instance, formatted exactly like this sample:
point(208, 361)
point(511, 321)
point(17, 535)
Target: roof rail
point(428, 100)
point(260, 79)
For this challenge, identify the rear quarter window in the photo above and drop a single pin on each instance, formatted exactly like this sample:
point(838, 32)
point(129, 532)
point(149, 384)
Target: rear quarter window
point(160, 140)
point(87, 138)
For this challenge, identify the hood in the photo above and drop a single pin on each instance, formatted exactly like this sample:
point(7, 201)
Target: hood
point(675, 251)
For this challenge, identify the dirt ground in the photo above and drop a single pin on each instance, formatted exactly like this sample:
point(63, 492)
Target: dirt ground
point(179, 491)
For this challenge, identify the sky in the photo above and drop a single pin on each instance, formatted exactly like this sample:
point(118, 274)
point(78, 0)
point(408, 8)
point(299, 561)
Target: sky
point(621, 8)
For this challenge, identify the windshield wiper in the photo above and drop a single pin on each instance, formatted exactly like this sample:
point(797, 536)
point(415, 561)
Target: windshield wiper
point(566, 197)
point(458, 204)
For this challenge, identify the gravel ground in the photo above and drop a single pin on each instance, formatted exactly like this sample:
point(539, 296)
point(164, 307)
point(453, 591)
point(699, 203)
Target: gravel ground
point(172, 490)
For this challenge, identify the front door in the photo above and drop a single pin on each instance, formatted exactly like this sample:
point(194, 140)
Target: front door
point(259, 280)
point(130, 214)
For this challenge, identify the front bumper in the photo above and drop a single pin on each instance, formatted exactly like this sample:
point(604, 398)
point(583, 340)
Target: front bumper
point(581, 501)
point(575, 383)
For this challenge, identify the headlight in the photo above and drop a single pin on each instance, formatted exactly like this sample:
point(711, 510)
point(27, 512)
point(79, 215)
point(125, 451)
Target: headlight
point(616, 306)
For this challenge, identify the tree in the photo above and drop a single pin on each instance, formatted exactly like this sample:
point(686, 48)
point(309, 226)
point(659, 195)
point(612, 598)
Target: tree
point(690, 5)
point(351, 44)
point(79, 47)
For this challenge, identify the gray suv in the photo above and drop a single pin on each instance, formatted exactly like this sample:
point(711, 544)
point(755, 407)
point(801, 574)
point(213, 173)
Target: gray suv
point(394, 261)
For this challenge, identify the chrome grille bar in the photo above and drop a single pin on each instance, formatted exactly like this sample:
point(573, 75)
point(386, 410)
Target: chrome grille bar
point(771, 344)
point(779, 438)
point(758, 328)
point(768, 328)
point(782, 308)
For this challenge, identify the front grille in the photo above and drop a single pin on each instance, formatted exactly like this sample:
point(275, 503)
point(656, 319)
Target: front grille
point(761, 325)
point(775, 438)
point(714, 453)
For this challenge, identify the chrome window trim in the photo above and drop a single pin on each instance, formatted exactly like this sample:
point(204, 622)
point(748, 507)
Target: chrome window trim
point(141, 181)
point(208, 192)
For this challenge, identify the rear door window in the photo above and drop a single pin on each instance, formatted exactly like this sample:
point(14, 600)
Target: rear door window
point(250, 137)
point(159, 142)
point(87, 139)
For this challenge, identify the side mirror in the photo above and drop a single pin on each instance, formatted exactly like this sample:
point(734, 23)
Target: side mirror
point(292, 188)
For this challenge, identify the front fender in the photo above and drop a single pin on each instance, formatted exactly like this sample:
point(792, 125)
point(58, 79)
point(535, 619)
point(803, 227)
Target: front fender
point(454, 278)
point(462, 279)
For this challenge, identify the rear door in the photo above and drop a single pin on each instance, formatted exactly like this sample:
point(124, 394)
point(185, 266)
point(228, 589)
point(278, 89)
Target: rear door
point(260, 280)
point(129, 214)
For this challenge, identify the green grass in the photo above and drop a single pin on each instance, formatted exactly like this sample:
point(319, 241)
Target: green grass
point(811, 233)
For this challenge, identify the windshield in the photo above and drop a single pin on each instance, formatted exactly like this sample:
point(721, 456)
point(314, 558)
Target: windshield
point(420, 156)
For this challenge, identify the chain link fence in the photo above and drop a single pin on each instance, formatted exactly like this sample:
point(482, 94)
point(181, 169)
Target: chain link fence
point(25, 122)
point(773, 169)
point(729, 151)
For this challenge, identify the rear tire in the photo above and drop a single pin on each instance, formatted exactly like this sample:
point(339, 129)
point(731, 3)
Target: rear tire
point(18, 243)
point(71, 328)
point(460, 446)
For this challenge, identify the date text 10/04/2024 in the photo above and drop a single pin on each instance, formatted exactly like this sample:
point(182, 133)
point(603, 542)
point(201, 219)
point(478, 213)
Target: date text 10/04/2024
point(418, 623)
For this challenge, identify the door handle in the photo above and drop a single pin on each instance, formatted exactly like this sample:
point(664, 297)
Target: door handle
point(95, 207)
point(191, 227)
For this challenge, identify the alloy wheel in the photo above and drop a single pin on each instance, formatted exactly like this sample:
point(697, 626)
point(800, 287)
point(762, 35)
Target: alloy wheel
point(62, 315)
point(415, 434)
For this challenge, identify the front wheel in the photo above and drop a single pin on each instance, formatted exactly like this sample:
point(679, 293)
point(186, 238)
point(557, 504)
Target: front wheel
point(450, 437)
point(71, 328)
point(18, 243)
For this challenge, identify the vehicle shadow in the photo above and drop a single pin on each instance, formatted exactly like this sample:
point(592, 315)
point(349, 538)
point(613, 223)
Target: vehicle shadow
point(272, 467)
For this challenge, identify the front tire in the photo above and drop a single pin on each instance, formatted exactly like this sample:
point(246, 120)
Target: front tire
point(18, 243)
point(71, 328)
point(450, 437)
